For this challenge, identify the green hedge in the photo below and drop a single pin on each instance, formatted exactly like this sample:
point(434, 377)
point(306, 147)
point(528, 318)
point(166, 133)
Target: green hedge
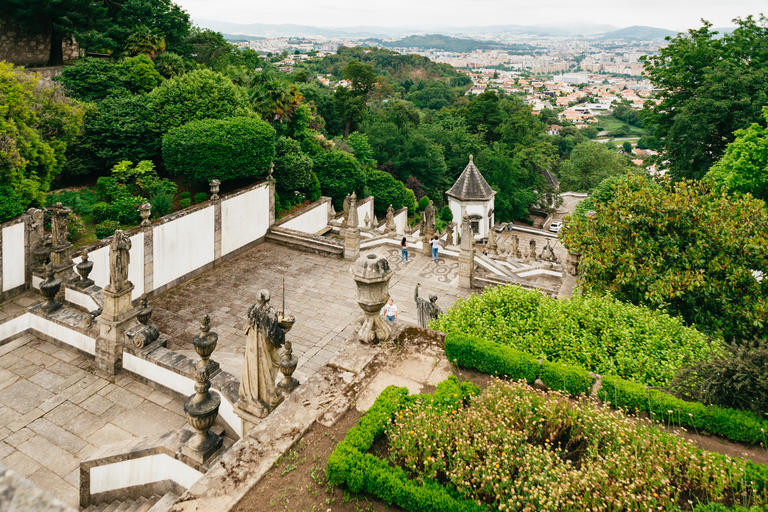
point(224, 149)
point(476, 353)
point(735, 425)
point(598, 333)
point(350, 465)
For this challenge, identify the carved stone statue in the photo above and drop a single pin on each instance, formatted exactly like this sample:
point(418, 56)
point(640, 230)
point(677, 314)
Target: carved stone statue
point(532, 249)
point(514, 249)
point(390, 226)
point(265, 333)
point(426, 309)
point(449, 233)
point(429, 217)
point(59, 231)
point(119, 260)
point(548, 253)
point(492, 246)
point(345, 217)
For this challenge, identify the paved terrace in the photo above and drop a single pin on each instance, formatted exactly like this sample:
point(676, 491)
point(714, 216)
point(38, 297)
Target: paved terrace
point(54, 411)
point(319, 291)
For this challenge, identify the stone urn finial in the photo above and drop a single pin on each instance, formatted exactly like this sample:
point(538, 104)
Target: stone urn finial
point(214, 184)
point(205, 343)
point(84, 268)
point(372, 274)
point(145, 311)
point(145, 210)
point(49, 288)
point(288, 365)
point(202, 408)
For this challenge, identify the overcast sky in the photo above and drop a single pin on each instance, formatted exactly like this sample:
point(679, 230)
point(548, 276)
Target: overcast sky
point(670, 14)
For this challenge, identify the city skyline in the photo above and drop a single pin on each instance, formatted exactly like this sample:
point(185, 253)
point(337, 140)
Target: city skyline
point(432, 14)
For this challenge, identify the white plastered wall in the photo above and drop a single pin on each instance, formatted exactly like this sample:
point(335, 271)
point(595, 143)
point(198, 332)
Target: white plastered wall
point(401, 221)
point(100, 259)
point(244, 218)
point(13, 256)
point(362, 210)
point(311, 221)
point(145, 470)
point(183, 245)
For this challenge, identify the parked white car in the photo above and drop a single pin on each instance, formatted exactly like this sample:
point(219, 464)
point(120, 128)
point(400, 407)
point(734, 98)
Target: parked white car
point(555, 226)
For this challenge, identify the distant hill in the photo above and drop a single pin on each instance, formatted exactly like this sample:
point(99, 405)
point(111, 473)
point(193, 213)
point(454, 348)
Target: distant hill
point(233, 38)
point(639, 33)
point(449, 44)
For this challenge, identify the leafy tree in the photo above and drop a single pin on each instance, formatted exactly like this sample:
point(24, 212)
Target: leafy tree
point(711, 87)
point(91, 79)
point(351, 102)
point(681, 248)
point(515, 185)
point(340, 174)
point(171, 65)
point(627, 146)
point(484, 115)
point(138, 26)
point(589, 164)
point(628, 115)
point(275, 98)
point(744, 166)
point(422, 158)
point(433, 95)
point(362, 149)
point(200, 94)
point(293, 168)
point(120, 129)
point(36, 124)
point(385, 190)
point(446, 215)
point(224, 149)
point(138, 74)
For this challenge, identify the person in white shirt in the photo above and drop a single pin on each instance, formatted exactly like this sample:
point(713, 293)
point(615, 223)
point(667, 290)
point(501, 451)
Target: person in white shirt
point(435, 246)
point(390, 311)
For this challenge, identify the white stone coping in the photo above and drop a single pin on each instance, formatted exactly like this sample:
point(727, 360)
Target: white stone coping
point(47, 327)
point(83, 300)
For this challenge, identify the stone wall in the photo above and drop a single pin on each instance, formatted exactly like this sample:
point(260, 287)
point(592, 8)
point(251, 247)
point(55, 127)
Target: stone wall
point(28, 49)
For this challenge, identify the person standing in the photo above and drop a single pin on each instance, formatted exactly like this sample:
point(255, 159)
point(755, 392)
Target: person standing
point(404, 250)
point(390, 311)
point(435, 246)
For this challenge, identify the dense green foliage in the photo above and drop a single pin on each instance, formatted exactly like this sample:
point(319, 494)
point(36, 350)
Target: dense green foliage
point(744, 166)
point(36, 124)
point(589, 164)
point(223, 149)
point(512, 447)
point(475, 353)
point(385, 190)
point(200, 94)
point(680, 248)
point(598, 333)
point(11, 205)
point(735, 379)
point(339, 174)
point(711, 87)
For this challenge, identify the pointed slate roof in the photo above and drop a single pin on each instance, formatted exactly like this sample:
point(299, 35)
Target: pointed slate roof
point(471, 186)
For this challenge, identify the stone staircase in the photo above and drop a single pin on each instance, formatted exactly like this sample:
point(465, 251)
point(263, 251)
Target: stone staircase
point(154, 504)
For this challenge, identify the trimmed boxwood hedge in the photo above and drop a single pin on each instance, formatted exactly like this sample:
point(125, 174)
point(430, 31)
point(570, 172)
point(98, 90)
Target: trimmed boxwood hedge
point(224, 149)
point(352, 466)
point(476, 353)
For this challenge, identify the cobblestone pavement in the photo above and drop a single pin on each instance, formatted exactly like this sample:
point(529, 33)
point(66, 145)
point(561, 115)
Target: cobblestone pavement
point(319, 291)
point(54, 412)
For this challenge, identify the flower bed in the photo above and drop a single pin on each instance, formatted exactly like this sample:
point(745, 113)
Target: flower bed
point(512, 448)
point(597, 333)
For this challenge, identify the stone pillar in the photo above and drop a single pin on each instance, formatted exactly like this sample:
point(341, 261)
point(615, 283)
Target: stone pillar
point(118, 315)
point(372, 274)
point(467, 254)
point(428, 228)
point(149, 259)
point(572, 263)
point(352, 234)
point(217, 223)
point(271, 197)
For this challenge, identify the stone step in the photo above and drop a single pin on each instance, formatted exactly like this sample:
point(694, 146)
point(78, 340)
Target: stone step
point(165, 503)
point(124, 506)
point(111, 507)
point(146, 504)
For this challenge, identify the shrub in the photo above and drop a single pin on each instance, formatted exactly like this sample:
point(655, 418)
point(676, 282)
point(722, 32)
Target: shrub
point(200, 94)
point(423, 203)
point(11, 205)
point(138, 74)
point(185, 195)
point(339, 174)
point(75, 227)
point(125, 209)
point(239, 147)
point(485, 356)
point(106, 228)
point(161, 205)
point(735, 379)
point(598, 333)
point(446, 215)
point(293, 168)
point(410, 201)
point(201, 197)
point(569, 378)
point(91, 79)
point(513, 445)
point(315, 192)
point(385, 190)
point(185, 203)
point(101, 211)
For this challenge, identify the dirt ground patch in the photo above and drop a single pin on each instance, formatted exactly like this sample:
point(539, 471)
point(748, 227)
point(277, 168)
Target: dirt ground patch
point(297, 481)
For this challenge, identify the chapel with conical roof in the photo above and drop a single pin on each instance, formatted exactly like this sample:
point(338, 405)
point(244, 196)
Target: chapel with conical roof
point(472, 195)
